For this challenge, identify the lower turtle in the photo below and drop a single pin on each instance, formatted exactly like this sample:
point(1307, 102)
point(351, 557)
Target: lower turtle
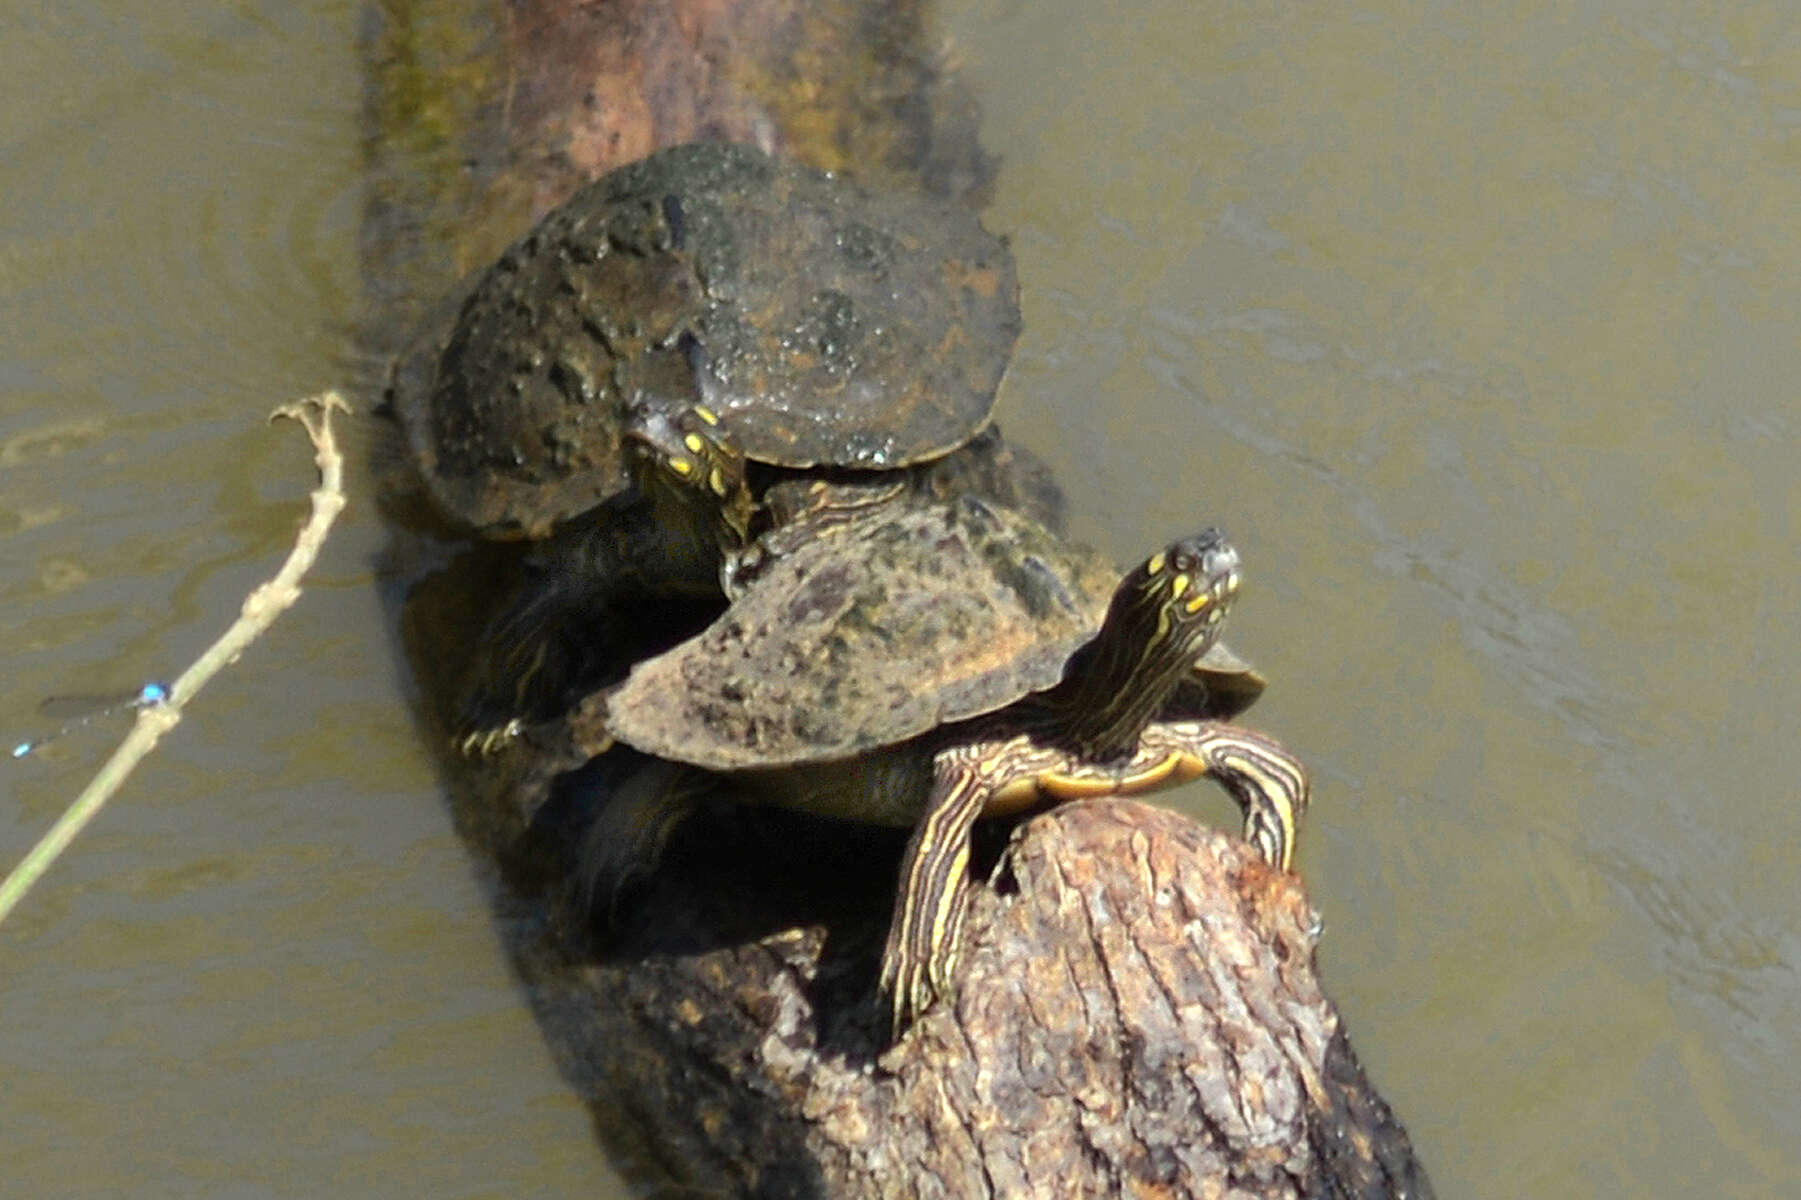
point(697, 523)
point(928, 664)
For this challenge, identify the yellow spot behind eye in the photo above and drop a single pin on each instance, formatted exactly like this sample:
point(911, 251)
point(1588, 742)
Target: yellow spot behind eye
point(1200, 601)
point(717, 481)
point(681, 466)
point(1157, 563)
point(1177, 586)
point(705, 414)
point(694, 443)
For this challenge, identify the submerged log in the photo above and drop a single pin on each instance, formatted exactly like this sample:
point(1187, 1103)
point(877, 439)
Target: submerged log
point(1138, 1012)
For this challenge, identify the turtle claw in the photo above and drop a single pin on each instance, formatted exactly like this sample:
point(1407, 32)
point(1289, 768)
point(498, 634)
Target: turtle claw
point(925, 940)
point(913, 984)
point(909, 986)
point(1270, 785)
point(486, 743)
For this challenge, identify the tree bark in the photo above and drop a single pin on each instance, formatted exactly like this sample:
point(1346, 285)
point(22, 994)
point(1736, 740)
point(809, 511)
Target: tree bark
point(1138, 1012)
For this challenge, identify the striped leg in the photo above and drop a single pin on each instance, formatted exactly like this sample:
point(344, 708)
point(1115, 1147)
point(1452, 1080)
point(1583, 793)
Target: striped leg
point(920, 959)
point(624, 842)
point(1269, 783)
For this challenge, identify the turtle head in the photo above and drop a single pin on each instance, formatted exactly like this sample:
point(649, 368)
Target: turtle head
point(686, 457)
point(1165, 615)
point(1188, 586)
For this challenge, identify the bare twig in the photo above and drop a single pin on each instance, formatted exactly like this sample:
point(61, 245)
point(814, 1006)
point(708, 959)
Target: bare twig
point(261, 608)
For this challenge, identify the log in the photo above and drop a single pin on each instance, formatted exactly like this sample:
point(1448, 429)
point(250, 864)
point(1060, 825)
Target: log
point(839, 85)
point(1139, 1010)
point(485, 114)
point(1139, 1013)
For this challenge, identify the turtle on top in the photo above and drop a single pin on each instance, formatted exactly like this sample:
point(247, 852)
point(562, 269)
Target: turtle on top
point(822, 325)
point(709, 290)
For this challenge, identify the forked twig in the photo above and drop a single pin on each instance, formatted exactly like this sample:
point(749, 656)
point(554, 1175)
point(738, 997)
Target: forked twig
point(261, 608)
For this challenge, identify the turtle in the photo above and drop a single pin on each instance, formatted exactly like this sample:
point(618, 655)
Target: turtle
point(684, 541)
point(926, 664)
point(820, 324)
point(708, 294)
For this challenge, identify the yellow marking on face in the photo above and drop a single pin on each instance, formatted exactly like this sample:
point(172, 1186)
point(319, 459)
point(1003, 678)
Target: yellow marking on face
point(716, 481)
point(1157, 563)
point(706, 414)
point(694, 443)
point(681, 466)
point(1178, 585)
point(1201, 600)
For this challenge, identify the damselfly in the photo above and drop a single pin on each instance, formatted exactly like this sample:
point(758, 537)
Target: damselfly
point(77, 711)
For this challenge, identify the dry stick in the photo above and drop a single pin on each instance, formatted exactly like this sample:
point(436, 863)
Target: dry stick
point(261, 608)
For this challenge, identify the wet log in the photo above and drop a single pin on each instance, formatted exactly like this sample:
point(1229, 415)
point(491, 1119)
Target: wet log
point(839, 85)
point(485, 114)
point(1139, 1011)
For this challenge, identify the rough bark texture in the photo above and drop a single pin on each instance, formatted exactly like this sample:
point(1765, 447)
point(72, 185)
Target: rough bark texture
point(1138, 1012)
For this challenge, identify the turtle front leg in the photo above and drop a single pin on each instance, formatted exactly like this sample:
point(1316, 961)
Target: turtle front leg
point(920, 961)
point(1269, 783)
point(521, 670)
point(541, 653)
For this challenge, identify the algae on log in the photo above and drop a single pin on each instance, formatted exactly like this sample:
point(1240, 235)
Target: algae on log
point(483, 115)
point(1138, 1012)
point(844, 85)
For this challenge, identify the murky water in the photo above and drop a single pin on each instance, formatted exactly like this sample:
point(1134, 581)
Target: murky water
point(1476, 324)
point(267, 970)
point(1472, 323)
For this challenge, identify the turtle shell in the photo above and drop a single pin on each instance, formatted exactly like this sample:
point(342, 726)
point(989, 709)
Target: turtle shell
point(867, 635)
point(823, 324)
